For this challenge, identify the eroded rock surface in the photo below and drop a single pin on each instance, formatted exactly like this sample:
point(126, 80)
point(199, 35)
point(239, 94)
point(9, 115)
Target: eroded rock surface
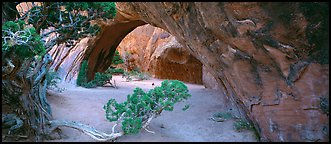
point(271, 59)
point(156, 51)
point(268, 58)
point(67, 59)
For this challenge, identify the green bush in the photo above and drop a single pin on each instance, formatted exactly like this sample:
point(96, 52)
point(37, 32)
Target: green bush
point(140, 106)
point(242, 124)
point(223, 115)
point(82, 74)
point(52, 79)
point(99, 79)
point(117, 58)
point(21, 39)
point(136, 74)
point(114, 71)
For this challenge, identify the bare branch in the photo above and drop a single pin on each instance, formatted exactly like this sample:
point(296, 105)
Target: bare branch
point(149, 131)
point(147, 123)
point(69, 13)
point(90, 131)
point(60, 13)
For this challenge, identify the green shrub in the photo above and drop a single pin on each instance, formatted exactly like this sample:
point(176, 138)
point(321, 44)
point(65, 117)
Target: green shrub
point(21, 40)
point(114, 71)
point(143, 76)
point(140, 106)
point(99, 79)
point(89, 85)
point(127, 76)
point(82, 74)
point(117, 58)
point(52, 79)
point(223, 115)
point(136, 74)
point(242, 124)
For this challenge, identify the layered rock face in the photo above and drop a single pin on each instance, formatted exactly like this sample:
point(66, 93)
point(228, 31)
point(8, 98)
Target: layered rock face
point(271, 59)
point(155, 51)
point(102, 48)
point(209, 80)
point(67, 59)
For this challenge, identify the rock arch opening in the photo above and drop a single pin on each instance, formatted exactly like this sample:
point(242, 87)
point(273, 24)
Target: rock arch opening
point(253, 58)
point(157, 52)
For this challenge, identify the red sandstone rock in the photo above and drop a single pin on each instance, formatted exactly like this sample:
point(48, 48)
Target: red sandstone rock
point(259, 54)
point(155, 51)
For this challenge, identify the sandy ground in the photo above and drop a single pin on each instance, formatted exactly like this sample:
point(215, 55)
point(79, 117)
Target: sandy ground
point(86, 106)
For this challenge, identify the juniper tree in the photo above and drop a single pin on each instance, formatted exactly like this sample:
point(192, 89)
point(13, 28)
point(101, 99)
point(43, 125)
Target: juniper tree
point(26, 39)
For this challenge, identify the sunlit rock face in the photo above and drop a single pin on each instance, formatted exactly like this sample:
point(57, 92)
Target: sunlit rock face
point(66, 60)
point(269, 58)
point(154, 50)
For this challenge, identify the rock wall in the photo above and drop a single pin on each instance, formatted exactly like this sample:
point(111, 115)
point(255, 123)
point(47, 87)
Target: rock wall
point(155, 51)
point(209, 80)
point(66, 60)
point(270, 59)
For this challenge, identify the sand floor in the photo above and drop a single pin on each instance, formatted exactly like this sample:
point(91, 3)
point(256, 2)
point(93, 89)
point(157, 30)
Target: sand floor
point(86, 106)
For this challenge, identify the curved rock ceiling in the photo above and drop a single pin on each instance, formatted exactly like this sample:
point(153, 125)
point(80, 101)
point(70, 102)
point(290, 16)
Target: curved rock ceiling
point(265, 57)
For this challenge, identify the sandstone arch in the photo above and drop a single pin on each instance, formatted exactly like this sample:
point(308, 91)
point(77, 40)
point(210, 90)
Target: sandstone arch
point(153, 50)
point(100, 56)
point(259, 55)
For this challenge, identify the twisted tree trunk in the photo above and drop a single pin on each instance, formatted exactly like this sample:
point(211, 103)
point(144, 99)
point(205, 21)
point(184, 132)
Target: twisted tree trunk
point(25, 90)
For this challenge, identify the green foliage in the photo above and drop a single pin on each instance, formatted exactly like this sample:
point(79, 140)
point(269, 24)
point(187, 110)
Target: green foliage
point(127, 76)
point(136, 74)
point(141, 105)
point(143, 76)
point(71, 19)
point(223, 115)
point(114, 71)
point(117, 58)
point(21, 40)
point(99, 79)
point(185, 107)
point(104, 9)
point(82, 74)
point(52, 79)
point(242, 124)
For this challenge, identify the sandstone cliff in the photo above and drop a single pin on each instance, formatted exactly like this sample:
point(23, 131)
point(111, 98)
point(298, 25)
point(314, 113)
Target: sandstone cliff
point(155, 51)
point(271, 59)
